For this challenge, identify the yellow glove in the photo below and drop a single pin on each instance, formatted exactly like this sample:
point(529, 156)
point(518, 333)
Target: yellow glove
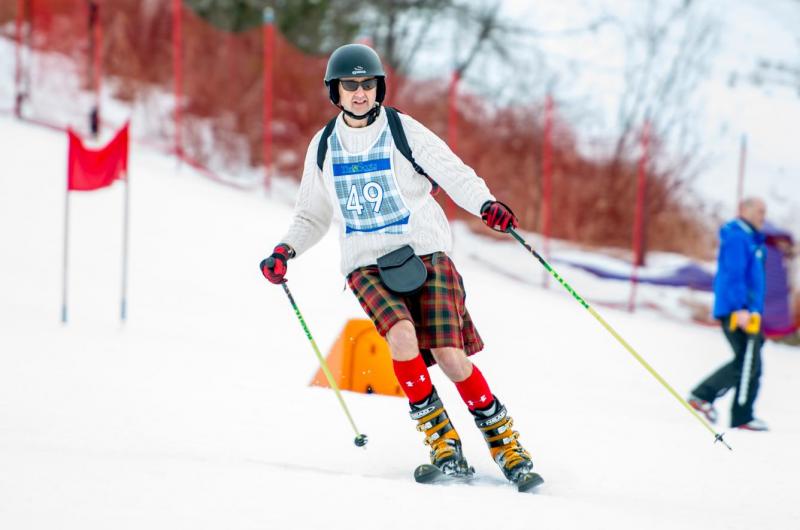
point(752, 327)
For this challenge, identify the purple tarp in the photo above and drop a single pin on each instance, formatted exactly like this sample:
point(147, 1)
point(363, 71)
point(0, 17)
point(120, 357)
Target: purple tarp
point(777, 300)
point(691, 275)
point(777, 318)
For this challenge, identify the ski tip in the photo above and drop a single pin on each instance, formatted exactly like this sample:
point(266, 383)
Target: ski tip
point(529, 481)
point(427, 473)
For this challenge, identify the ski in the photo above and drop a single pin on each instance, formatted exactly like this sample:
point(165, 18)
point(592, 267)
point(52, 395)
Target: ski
point(430, 474)
point(528, 481)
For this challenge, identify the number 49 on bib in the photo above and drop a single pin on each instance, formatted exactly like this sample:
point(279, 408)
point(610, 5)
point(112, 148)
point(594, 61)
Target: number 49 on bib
point(372, 193)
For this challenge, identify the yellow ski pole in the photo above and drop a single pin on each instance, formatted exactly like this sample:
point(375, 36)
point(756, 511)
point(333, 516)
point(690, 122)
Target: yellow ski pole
point(360, 439)
point(717, 436)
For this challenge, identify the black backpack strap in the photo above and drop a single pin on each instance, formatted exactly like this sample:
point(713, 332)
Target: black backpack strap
point(398, 135)
point(322, 148)
point(401, 142)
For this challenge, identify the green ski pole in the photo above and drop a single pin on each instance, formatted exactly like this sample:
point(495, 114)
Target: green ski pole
point(717, 436)
point(360, 439)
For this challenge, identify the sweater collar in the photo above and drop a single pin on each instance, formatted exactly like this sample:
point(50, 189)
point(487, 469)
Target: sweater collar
point(378, 124)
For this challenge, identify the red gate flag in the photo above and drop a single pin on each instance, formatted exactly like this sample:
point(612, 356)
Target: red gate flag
point(91, 169)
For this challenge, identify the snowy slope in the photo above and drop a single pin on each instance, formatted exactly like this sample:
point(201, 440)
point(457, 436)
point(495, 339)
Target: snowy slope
point(197, 414)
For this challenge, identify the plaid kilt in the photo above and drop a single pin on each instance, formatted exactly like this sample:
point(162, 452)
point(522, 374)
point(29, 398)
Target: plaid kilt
point(438, 312)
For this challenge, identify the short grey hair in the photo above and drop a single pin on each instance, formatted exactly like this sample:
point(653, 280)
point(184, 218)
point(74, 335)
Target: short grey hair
point(750, 202)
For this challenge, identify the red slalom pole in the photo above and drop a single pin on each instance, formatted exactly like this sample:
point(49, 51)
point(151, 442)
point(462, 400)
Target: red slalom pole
point(177, 72)
point(547, 180)
point(742, 163)
point(269, 52)
point(452, 127)
point(638, 224)
point(18, 58)
point(94, 66)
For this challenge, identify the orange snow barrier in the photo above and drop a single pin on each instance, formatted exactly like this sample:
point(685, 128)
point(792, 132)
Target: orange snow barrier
point(360, 361)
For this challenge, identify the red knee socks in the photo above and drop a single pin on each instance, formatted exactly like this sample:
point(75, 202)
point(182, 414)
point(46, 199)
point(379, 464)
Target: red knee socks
point(414, 378)
point(475, 391)
point(416, 383)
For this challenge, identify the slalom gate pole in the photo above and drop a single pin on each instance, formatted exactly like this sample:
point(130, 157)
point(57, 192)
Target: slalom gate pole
point(717, 436)
point(360, 439)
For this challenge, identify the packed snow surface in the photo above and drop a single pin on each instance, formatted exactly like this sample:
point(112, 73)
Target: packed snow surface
point(197, 412)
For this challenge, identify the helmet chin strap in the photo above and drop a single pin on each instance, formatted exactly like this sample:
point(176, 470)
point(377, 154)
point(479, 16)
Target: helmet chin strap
point(370, 115)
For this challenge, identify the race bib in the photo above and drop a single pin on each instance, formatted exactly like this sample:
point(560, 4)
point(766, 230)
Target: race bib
point(366, 188)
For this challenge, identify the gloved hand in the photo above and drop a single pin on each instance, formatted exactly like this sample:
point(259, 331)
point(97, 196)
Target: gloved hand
point(749, 322)
point(498, 216)
point(274, 267)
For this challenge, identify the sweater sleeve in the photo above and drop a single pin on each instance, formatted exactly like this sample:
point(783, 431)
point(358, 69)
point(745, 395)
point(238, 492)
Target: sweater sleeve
point(460, 181)
point(313, 210)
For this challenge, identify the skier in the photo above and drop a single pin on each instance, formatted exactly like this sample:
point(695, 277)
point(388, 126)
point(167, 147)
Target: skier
point(394, 243)
point(738, 304)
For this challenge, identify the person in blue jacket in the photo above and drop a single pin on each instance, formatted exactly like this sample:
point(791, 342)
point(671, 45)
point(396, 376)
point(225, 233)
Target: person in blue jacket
point(738, 305)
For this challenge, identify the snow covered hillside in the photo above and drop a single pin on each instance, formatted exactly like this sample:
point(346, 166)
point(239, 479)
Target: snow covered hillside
point(197, 413)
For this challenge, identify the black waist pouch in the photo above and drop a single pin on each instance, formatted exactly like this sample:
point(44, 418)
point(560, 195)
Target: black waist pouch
point(402, 271)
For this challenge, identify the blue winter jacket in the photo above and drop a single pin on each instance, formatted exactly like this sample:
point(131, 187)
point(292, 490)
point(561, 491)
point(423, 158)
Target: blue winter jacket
point(739, 283)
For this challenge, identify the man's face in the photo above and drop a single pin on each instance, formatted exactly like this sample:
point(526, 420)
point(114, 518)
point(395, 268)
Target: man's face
point(358, 100)
point(755, 212)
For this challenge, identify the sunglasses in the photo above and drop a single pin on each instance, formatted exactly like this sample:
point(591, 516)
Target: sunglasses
point(352, 86)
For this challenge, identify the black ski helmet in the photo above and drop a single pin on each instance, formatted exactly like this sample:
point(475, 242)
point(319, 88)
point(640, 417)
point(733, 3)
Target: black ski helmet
point(354, 60)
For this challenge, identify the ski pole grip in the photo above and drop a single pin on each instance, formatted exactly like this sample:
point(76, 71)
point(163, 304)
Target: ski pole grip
point(754, 325)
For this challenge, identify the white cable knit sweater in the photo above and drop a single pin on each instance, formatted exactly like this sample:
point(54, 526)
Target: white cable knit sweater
point(428, 229)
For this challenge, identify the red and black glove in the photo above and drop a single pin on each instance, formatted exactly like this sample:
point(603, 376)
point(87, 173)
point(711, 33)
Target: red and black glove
point(498, 216)
point(274, 267)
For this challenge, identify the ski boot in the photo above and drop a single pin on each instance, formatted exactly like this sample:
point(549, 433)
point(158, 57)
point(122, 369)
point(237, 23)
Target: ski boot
point(753, 425)
point(514, 461)
point(446, 455)
point(706, 408)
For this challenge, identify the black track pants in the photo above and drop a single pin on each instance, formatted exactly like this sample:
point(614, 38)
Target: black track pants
point(730, 375)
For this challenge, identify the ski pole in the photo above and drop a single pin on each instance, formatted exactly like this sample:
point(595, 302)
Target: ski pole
point(360, 439)
point(717, 436)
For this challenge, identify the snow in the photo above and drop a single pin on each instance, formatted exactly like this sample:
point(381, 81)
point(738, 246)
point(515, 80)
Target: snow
point(197, 412)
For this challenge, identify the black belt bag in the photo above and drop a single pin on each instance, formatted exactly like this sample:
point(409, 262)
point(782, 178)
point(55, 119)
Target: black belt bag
point(402, 271)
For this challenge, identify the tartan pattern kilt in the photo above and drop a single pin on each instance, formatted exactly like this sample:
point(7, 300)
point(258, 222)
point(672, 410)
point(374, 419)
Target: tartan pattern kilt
point(438, 311)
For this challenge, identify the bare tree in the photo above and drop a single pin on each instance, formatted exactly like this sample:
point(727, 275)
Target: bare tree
point(667, 58)
point(769, 69)
point(776, 72)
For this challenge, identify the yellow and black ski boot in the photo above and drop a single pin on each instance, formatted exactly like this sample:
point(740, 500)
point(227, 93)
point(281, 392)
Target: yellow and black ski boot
point(514, 461)
point(446, 456)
